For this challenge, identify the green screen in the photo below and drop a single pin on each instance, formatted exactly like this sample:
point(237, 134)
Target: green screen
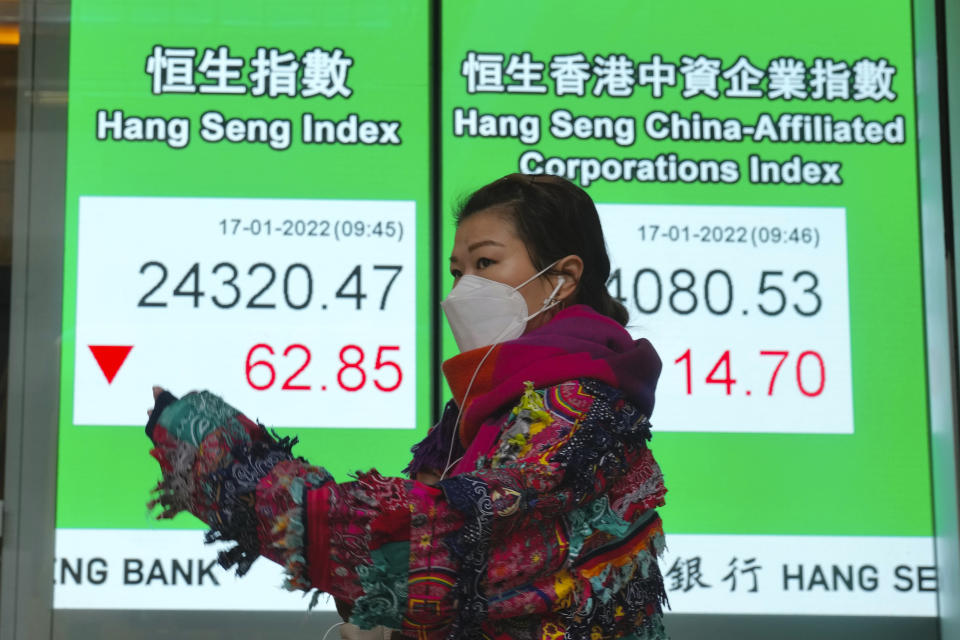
point(851, 484)
point(111, 43)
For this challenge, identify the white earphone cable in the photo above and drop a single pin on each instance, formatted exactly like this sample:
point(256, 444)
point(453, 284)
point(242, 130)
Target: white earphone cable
point(331, 629)
point(548, 303)
point(456, 425)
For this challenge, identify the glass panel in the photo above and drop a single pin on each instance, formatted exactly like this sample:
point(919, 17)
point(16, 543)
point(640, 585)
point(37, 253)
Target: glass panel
point(247, 211)
point(756, 176)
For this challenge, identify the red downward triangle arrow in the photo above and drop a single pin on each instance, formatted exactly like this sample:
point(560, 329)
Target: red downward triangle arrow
point(110, 358)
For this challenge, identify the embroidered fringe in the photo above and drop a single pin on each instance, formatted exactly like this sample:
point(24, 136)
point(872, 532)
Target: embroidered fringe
point(226, 499)
point(176, 489)
point(292, 524)
point(430, 454)
point(623, 595)
point(598, 447)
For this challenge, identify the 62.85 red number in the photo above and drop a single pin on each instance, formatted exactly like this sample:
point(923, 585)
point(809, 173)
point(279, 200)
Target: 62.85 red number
point(351, 376)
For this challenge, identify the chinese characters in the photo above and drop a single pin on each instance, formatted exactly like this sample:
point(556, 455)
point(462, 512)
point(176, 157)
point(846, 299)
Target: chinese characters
point(273, 73)
point(617, 75)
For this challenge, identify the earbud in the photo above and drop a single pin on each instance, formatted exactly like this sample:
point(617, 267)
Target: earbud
point(553, 296)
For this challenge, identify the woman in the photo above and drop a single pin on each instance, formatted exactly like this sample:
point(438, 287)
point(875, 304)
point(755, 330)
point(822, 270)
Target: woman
point(531, 512)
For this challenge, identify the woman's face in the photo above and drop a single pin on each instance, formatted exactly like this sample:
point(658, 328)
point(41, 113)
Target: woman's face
point(487, 245)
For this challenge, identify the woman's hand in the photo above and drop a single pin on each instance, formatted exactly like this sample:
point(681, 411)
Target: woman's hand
point(161, 399)
point(235, 476)
point(156, 394)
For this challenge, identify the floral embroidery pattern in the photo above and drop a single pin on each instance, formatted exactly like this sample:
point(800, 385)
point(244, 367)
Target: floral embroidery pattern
point(555, 535)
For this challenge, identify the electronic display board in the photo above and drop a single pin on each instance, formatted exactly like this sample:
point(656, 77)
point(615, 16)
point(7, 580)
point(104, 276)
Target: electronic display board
point(756, 176)
point(247, 211)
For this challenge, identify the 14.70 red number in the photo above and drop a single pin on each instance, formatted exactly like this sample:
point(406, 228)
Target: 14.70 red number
point(810, 384)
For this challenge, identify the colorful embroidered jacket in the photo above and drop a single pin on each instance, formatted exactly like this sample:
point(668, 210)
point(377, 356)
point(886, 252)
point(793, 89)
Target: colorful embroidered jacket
point(546, 528)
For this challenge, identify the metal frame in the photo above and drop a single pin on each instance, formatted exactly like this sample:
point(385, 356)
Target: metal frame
point(36, 287)
point(945, 438)
point(28, 526)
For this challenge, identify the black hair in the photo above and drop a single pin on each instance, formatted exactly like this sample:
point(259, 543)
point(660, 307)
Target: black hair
point(554, 218)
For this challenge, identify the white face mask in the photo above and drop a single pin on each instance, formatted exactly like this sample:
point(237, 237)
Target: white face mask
point(483, 312)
